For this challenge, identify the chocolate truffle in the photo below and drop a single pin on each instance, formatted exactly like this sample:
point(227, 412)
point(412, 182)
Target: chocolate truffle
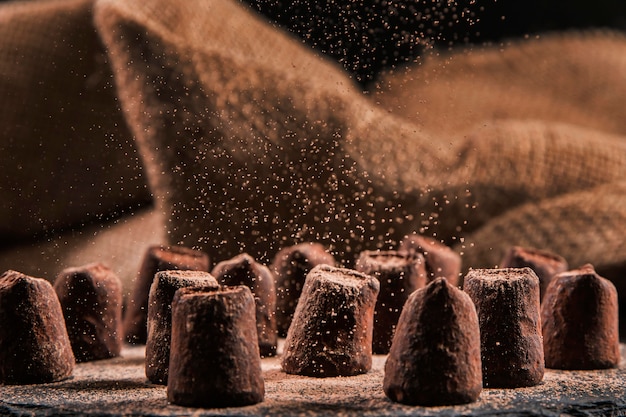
point(435, 355)
point(165, 285)
point(545, 264)
point(507, 304)
point(331, 331)
point(399, 274)
point(441, 260)
point(290, 267)
point(214, 359)
point(580, 321)
point(244, 270)
point(91, 299)
point(157, 258)
point(34, 345)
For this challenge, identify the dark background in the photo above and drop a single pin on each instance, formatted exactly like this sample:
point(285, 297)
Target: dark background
point(369, 36)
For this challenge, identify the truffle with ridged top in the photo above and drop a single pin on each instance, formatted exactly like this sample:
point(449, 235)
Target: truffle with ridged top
point(507, 304)
point(214, 359)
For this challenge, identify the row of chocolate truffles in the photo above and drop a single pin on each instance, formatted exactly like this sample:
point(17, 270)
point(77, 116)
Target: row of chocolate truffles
point(349, 297)
point(46, 329)
point(417, 261)
point(448, 344)
point(214, 359)
point(278, 288)
point(240, 270)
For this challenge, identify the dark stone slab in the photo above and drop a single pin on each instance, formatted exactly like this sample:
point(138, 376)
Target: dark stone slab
point(116, 387)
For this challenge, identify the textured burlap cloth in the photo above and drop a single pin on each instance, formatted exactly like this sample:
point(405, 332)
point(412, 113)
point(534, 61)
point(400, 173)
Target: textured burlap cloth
point(250, 141)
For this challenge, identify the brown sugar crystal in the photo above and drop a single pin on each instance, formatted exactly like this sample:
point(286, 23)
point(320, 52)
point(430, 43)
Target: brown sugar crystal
point(545, 264)
point(331, 331)
point(34, 345)
point(165, 285)
point(91, 299)
point(157, 258)
point(214, 360)
point(244, 270)
point(399, 274)
point(441, 260)
point(507, 304)
point(435, 356)
point(580, 321)
point(290, 267)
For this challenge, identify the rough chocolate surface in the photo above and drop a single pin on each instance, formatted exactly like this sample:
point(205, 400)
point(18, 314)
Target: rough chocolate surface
point(399, 274)
point(331, 331)
point(507, 304)
point(441, 260)
point(34, 345)
point(435, 355)
point(545, 263)
point(244, 270)
point(165, 285)
point(290, 268)
point(580, 321)
point(118, 387)
point(215, 360)
point(91, 299)
point(157, 258)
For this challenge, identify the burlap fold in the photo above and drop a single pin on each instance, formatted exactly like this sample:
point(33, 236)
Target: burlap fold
point(256, 143)
point(68, 158)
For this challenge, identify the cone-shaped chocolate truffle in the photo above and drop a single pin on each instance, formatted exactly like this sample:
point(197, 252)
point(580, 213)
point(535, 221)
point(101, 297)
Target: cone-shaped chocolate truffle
point(91, 299)
point(580, 321)
point(441, 261)
point(435, 355)
point(157, 258)
point(34, 346)
point(331, 331)
point(214, 360)
point(290, 267)
point(545, 264)
point(507, 304)
point(244, 270)
point(399, 274)
point(165, 285)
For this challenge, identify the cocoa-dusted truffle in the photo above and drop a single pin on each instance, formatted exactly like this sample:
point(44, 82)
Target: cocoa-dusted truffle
point(545, 264)
point(580, 321)
point(441, 260)
point(34, 346)
point(399, 274)
point(435, 355)
point(244, 270)
point(165, 285)
point(331, 331)
point(91, 299)
point(214, 360)
point(290, 267)
point(157, 258)
point(507, 304)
